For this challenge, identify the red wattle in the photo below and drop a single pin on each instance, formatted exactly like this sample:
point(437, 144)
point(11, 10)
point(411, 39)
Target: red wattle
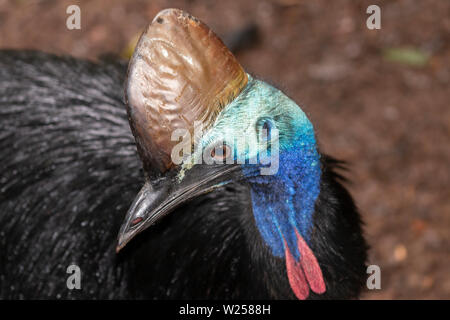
point(310, 266)
point(296, 276)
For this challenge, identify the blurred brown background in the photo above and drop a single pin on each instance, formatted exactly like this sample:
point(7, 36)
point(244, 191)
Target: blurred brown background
point(378, 98)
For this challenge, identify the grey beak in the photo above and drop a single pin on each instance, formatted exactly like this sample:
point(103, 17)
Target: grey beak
point(138, 217)
point(156, 200)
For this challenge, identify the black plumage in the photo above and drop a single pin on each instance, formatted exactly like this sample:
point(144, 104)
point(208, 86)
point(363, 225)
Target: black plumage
point(69, 171)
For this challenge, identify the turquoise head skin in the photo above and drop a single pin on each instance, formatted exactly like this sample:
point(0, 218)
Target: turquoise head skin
point(263, 123)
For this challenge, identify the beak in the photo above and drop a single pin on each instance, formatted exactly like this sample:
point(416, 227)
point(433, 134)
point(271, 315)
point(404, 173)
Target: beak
point(160, 197)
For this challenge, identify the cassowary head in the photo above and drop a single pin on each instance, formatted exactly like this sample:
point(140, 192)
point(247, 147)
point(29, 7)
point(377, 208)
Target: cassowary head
point(201, 122)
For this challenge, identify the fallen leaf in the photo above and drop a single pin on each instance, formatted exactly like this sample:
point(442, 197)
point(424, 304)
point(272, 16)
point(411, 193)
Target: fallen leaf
point(408, 56)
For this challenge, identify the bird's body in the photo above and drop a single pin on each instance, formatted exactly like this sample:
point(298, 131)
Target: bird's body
point(69, 170)
point(68, 167)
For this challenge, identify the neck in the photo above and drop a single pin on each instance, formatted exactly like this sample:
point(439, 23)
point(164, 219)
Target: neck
point(335, 237)
point(284, 202)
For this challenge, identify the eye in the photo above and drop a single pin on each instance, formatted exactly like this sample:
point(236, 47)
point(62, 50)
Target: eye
point(220, 152)
point(264, 127)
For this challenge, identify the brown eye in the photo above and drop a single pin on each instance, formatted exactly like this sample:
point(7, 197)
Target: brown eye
point(221, 153)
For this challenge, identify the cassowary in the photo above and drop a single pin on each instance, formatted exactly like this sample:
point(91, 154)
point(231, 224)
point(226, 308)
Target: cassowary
point(69, 170)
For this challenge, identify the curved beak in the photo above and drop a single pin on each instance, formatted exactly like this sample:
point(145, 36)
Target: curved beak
point(156, 199)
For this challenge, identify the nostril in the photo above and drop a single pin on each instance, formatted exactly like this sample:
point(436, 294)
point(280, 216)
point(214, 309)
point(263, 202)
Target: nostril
point(136, 221)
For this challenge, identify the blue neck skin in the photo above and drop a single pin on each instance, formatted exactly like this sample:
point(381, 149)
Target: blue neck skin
point(285, 201)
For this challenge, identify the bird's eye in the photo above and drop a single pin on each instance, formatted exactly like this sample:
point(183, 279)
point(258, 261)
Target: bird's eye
point(267, 126)
point(220, 152)
point(264, 127)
